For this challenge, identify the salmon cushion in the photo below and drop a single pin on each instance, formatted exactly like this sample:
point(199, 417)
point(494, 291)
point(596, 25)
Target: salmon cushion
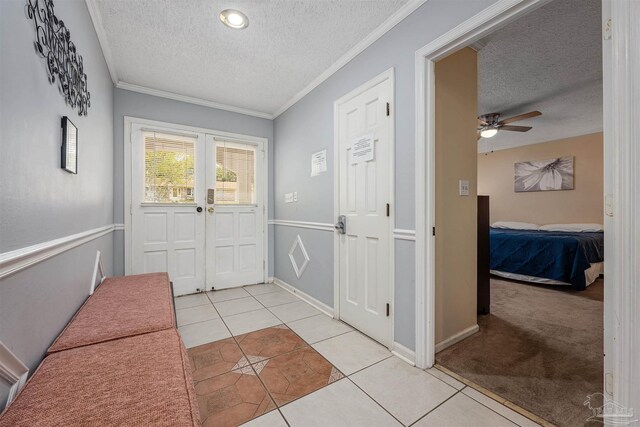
point(120, 307)
point(138, 381)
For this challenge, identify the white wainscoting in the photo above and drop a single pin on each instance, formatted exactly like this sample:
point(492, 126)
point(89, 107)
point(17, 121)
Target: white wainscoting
point(19, 259)
point(398, 233)
point(322, 226)
point(402, 234)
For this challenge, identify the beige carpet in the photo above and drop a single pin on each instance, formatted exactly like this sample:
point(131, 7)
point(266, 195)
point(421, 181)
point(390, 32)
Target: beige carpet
point(541, 348)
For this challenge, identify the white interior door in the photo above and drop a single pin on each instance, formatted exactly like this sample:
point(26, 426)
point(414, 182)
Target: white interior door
point(364, 156)
point(235, 212)
point(167, 229)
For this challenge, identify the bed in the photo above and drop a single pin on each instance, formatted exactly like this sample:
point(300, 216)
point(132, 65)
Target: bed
point(550, 257)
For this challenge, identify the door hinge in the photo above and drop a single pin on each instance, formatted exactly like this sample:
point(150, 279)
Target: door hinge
point(388, 109)
point(433, 231)
point(606, 31)
point(388, 210)
point(130, 209)
point(388, 309)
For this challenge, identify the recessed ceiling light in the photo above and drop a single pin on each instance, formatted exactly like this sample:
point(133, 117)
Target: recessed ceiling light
point(488, 133)
point(234, 19)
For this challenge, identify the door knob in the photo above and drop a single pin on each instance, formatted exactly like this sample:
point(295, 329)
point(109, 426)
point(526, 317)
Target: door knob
point(341, 225)
point(210, 209)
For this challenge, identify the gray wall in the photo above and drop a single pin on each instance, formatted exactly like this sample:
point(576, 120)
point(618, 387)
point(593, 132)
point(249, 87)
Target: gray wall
point(308, 127)
point(40, 201)
point(133, 104)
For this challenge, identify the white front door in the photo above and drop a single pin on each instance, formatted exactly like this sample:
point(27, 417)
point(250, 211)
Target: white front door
point(167, 229)
point(235, 212)
point(197, 208)
point(364, 155)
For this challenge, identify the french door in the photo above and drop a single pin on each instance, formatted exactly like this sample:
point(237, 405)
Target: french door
point(197, 208)
point(235, 212)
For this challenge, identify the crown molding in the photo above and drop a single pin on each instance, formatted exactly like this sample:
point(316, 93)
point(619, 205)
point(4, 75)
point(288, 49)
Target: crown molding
point(192, 100)
point(96, 19)
point(381, 30)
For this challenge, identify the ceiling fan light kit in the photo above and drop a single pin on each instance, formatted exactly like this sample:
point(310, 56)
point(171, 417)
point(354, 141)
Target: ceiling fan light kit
point(488, 132)
point(490, 124)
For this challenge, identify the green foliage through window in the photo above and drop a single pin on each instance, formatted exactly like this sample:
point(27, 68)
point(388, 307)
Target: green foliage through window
point(223, 175)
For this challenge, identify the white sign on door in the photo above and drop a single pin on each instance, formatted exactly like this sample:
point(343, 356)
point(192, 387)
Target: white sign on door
point(318, 162)
point(362, 149)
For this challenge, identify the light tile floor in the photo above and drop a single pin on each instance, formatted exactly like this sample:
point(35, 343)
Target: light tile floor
point(379, 389)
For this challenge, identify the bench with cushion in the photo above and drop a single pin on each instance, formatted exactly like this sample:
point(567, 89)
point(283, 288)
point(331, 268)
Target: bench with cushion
point(121, 307)
point(143, 380)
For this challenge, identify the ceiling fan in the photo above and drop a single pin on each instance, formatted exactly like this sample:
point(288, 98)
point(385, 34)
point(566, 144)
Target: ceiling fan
point(490, 124)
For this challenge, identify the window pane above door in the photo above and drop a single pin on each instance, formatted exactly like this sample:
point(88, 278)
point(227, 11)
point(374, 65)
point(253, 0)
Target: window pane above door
point(169, 163)
point(235, 174)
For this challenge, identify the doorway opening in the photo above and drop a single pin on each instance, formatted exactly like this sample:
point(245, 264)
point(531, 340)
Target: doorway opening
point(523, 338)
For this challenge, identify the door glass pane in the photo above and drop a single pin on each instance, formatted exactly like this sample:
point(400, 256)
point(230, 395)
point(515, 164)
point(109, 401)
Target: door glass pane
point(235, 174)
point(168, 168)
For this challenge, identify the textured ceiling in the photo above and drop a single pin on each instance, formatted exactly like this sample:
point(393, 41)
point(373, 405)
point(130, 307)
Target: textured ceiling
point(180, 46)
point(550, 60)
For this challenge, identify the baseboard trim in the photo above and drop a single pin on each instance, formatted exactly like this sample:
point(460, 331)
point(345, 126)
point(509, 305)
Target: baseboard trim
point(465, 333)
point(305, 297)
point(19, 259)
point(404, 353)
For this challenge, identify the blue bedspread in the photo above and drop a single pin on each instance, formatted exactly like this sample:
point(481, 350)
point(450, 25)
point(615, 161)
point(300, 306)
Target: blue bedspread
point(549, 254)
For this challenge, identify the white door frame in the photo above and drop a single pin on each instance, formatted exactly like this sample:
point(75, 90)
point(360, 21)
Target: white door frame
point(387, 75)
point(201, 198)
point(622, 180)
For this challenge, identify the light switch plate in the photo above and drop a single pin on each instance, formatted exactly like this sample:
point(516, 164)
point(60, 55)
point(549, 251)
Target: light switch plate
point(463, 186)
point(288, 198)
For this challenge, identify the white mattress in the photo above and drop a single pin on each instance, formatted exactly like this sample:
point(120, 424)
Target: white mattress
point(590, 275)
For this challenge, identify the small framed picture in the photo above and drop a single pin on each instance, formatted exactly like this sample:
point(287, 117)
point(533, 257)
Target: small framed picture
point(69, 146)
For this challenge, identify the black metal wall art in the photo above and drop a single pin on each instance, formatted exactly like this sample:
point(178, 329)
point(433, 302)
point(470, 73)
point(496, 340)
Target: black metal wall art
point(53, 42)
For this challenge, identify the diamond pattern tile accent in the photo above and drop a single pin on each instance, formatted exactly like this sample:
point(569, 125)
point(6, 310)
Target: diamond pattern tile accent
point(247, 370)
point(241, 364)
point(297, 244)
point(239, 379)
point(260, 366)
point(335, 375)
point(255, 359)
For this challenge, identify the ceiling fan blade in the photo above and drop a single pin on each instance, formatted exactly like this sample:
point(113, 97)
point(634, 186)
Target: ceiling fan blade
point(520, 117)
point(482, 122)
point(516, 128)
